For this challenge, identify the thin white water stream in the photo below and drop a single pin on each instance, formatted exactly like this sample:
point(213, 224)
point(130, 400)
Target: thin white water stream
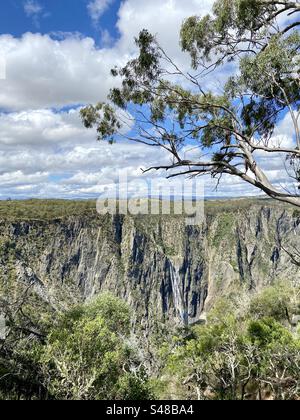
point(179, 303)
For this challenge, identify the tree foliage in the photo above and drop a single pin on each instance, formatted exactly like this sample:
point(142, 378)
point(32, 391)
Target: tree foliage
point(240, 355)
point(85, 354)
point(164, 106)
point(248, 349)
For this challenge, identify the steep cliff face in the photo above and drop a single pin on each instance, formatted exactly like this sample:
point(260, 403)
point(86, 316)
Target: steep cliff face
point(166, 270)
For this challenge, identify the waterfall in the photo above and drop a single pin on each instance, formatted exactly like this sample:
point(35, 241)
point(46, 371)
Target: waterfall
point(3, 328)
point(179, 303)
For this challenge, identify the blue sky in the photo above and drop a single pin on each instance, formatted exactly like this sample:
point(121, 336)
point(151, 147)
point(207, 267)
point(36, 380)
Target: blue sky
point(56, 55)
point(51, 16)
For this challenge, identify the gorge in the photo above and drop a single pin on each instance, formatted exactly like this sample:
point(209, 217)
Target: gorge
point(168, 272)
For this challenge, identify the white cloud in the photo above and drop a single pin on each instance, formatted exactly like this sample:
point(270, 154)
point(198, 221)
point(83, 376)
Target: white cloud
point(54, 73)
point(34, 10)
point(51, 153)
point(41, 128)
point(18, 178)
point(97, 8)
point(44, 153)
point(73, 70)
point(163, 18)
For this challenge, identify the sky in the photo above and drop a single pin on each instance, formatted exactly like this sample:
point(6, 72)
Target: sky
point(55, 57)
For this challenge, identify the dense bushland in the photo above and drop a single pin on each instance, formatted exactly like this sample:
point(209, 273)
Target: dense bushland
point(248, 349)
point(83, 354)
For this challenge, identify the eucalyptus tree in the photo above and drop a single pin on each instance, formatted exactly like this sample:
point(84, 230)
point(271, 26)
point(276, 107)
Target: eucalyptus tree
point(233, 128)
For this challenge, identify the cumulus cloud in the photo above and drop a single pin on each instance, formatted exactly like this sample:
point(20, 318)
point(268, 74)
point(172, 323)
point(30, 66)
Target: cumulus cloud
point(70, 69)
point(44, 150)
point(162, 18)
point(54, 73)
point(46, 154)
point(51, 154)
point(39, 128)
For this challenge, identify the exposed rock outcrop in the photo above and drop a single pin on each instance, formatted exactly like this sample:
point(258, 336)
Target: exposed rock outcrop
point(167, 271)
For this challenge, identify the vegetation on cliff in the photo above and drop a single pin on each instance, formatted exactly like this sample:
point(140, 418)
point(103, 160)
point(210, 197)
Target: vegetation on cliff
point(248, 349)
point(83, 354)
point(63, 337)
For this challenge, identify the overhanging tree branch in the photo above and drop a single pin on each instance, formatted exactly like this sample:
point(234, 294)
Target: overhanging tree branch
point(231, 127)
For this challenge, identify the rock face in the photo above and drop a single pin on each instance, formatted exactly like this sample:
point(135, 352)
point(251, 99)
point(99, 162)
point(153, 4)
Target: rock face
point(165, 270)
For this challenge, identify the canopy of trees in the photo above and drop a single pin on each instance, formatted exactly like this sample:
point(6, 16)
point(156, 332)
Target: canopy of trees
point(83, 354)
point(247, 350)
